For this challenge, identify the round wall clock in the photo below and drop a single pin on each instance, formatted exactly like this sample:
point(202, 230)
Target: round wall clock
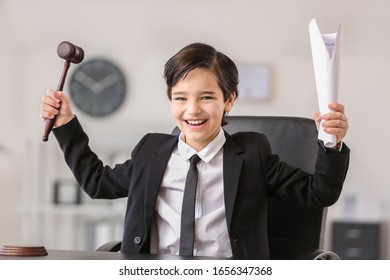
point(98, 87)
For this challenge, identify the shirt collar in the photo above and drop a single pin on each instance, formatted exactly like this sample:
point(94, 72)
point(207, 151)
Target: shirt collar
point(207, 153)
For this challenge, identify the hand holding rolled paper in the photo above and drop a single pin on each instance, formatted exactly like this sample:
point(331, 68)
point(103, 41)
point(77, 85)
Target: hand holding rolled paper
point(335, 122)
point(326, 50)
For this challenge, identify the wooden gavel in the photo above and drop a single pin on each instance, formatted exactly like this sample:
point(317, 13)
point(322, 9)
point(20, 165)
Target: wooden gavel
point(72, 54)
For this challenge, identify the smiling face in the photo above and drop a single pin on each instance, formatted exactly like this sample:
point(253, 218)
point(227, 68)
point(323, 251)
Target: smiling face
point(198, 106)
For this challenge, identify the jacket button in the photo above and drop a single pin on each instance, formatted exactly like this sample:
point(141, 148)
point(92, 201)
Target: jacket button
point(137, 240)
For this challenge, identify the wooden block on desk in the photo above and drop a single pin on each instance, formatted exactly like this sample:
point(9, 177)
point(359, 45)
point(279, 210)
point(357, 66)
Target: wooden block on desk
point(28, 251)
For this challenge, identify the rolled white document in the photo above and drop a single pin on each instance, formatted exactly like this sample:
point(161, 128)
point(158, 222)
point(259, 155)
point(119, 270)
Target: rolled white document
point(326, 50)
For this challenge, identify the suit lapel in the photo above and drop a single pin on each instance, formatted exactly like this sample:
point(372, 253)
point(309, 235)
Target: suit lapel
point(155, 173)
point(232, 165)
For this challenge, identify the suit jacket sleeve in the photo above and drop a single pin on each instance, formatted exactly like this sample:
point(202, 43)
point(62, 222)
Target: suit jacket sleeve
point(322, 188)
point(97, 180)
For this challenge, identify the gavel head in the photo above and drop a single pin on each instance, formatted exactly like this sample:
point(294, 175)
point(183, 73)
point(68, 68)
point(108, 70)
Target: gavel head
point(70, 52)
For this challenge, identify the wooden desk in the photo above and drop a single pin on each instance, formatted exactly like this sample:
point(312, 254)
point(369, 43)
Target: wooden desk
point(92, 255)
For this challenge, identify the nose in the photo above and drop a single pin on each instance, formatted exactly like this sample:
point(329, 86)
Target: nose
point(194, 108)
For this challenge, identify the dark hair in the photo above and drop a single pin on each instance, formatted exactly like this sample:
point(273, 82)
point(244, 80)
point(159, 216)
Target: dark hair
point(201, 55)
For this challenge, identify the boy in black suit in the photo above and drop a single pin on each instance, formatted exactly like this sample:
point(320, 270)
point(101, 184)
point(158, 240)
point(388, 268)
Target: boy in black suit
point(235, 172)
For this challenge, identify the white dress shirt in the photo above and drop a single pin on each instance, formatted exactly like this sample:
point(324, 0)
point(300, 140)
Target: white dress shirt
point(211, 234)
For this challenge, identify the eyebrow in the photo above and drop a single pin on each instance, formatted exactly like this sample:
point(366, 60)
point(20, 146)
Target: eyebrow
point(200, 92)
point(178, 92)
point(208, 92)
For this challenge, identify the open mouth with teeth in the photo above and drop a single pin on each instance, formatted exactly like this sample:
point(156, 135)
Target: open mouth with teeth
point(195, 123)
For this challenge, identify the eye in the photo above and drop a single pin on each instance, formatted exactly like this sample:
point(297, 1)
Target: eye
point(179, 98)
point(207, 97)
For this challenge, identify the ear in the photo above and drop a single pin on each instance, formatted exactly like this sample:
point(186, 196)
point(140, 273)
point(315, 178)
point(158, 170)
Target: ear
point(230, 102)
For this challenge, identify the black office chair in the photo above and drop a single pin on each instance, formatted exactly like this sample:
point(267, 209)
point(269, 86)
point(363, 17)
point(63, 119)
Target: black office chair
point(295, 232)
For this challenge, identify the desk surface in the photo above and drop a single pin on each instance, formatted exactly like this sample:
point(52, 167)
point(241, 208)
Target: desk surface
point(92, 255)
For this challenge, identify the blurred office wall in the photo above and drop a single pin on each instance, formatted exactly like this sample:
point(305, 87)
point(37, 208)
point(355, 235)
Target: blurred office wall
point(141, 35)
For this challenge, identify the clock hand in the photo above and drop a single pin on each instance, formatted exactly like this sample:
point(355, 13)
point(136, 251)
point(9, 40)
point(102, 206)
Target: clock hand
point(106, 82)
point(87, 81)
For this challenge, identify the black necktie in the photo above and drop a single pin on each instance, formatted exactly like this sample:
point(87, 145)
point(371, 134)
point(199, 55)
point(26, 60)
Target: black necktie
point(188, 209)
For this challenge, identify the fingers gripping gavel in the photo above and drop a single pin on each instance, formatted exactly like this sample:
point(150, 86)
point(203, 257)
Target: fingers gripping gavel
point(72, 54)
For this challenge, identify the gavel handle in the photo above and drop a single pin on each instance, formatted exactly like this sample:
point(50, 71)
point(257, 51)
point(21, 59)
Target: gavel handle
point(49, 123)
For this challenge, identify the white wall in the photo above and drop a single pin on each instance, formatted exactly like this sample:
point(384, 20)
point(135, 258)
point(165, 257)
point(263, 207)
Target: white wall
point(140, 35)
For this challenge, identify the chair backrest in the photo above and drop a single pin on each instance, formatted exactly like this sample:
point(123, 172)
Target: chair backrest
point(292, 229)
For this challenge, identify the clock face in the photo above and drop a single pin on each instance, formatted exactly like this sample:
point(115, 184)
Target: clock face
point(98, 87)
